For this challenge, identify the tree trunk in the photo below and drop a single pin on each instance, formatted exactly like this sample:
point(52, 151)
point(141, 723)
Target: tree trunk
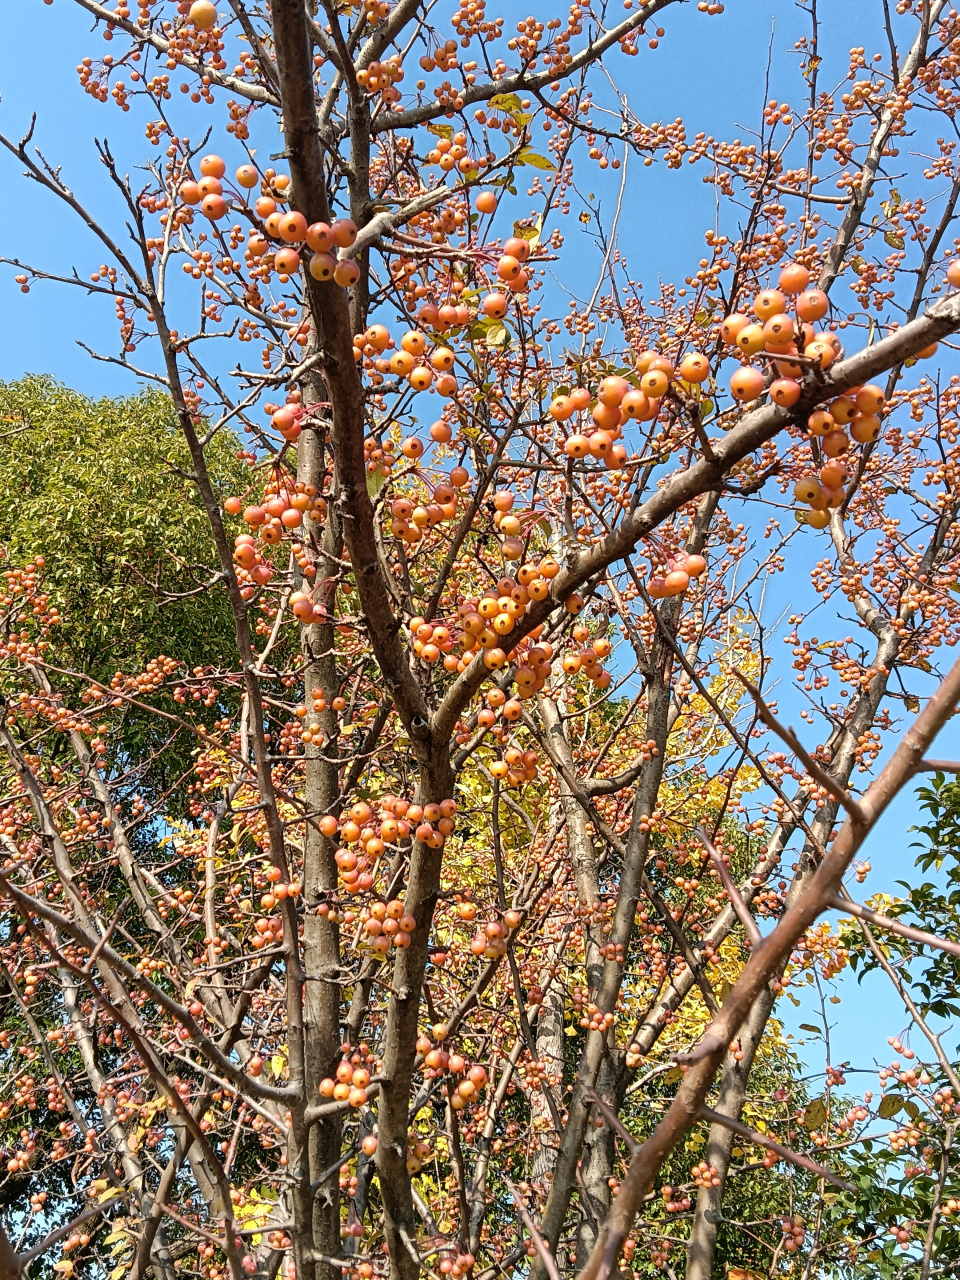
point(702, 1248)
point(549, 1043)
point(321, 942)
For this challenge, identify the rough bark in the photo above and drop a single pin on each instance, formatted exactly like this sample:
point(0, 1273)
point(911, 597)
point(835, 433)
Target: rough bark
point(701, 1251)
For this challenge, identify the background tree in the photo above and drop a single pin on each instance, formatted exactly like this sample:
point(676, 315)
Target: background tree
point(497, 757)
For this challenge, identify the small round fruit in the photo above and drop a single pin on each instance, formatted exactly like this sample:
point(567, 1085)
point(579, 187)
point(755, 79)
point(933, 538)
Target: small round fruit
point(820, 422)
point(654, 383)
point(612, 390)
point(203, 15)
point(813, 305)
point(346, 273)
point(213, 166)
point(247, 176)
point(319, 237)
point(287, 261)
point(843, 409)
point(746, 384)
point(214, 207)
point(807, 490)
point(751, 339)
point(344, 232)
point(793, 279)
point(870, 399)
point(833, 475)
point(322, 266)
point(293, 227)
point(769, 302)
point(732, 326)
point(694, 368)
point(953, 273)
point(835, 443)
point(779, 331)
point(817, 519)
point(785, 392)
point(865, 428)
point(486, 202)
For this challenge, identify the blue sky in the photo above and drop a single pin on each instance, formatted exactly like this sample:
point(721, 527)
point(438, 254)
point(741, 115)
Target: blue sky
point(710, 70)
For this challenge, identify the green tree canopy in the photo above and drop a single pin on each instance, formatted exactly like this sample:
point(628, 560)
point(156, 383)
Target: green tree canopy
point(93, 486)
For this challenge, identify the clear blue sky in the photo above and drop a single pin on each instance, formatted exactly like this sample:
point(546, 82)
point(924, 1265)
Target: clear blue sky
point(711, 71)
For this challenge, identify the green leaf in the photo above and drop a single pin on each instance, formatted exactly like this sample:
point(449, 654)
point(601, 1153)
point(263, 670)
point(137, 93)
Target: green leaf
point(375, 482)
point(894, 239)
point(535, 160)
point(816, 1114)
point(889, 1106)
point(491, 331)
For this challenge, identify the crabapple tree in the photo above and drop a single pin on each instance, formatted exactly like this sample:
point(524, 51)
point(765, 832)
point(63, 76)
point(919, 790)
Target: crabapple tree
point(441, 953)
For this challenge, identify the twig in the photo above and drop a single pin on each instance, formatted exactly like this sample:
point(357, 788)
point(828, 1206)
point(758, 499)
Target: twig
point(612, 1119)
point(546, 1257)
point(733, 893)
point(852, 908)
point(839, 793)
point(785, 1153)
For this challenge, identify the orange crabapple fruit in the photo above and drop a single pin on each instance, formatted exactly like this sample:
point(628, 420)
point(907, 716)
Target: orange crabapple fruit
point(203, 15)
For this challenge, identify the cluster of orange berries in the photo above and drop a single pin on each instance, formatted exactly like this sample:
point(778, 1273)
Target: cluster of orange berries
point(350, 1085)
point(277, 892)
point(776, 336)
point(491, 941)
point(457, 1266)
point(902, 1235)
point(618, 400)
point(438, 1061)
point(858, 410)
point(408, 519)
point(287, 226)
point(411, 362)
point(320, 238)
point(634, 1055)
point(267, 931)
point(386, 924)
point(450, 153)
point(680, 568)
point(207, 192)
point(431, 823)
point(484, 622)
point(380, 77)
point(680, 1205)
point(705, 1175)
point(794, 1233)
point(418, 1153)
